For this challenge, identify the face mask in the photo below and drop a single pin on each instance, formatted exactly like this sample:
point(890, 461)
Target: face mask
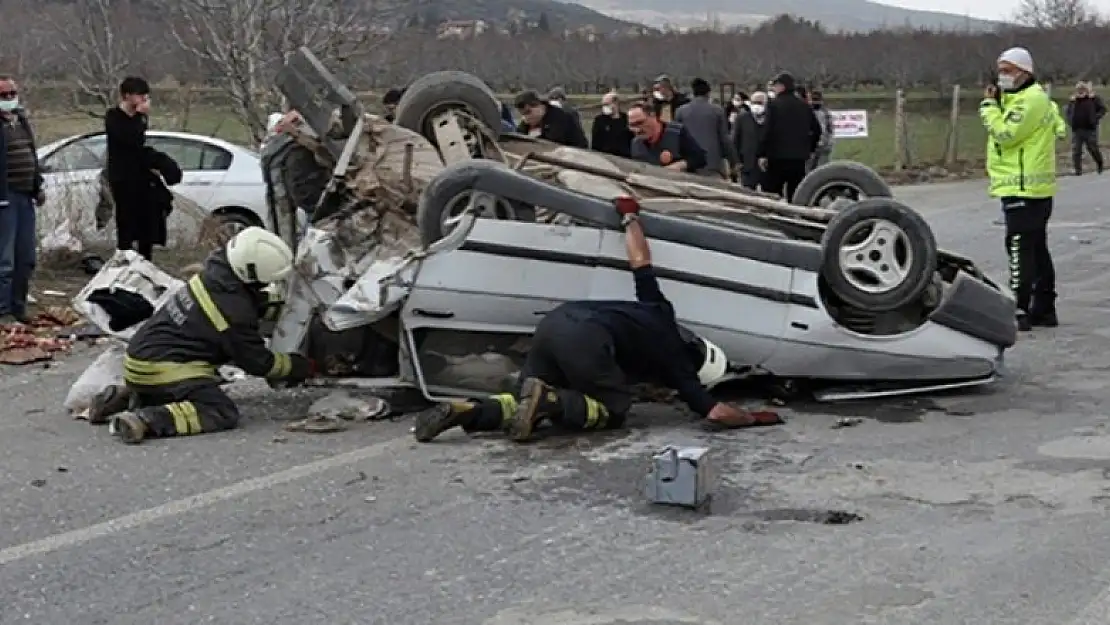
point(606, 109)
point(658, 95)
point(1006, 82)
point(556, 104)
point(772, 95)
point(8, 106)
point(757, 109)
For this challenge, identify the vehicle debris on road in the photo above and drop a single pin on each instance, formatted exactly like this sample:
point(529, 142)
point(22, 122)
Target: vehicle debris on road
point(47, 334)
point(329, 413)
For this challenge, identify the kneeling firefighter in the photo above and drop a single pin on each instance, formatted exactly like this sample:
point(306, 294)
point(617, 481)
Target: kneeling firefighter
point(172, 386)
point(585, 353)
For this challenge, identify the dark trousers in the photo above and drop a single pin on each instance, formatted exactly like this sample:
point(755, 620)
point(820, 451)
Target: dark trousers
point(1032, 274)
point(135, 228)
point(1088, 139)
point(783, 176)
point(184, 408)
point(750, 178)
point(575, 356)
point(18, 239)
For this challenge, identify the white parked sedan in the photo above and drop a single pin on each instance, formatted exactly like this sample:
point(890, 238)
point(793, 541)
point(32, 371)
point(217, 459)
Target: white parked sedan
point(222, 178)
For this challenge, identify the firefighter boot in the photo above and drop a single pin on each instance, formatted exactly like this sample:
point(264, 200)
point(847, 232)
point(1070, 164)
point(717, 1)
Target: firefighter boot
point(129, 427)
point(111, 401)
point(442, 417)
point(538, 401)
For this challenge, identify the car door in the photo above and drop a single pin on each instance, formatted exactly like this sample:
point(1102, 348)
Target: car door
point(471, 311)
point(203, 166)
point(738, 303)
point(504, 278)
point(71, 181)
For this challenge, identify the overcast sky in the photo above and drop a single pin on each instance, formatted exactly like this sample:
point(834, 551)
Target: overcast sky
point(990, 9)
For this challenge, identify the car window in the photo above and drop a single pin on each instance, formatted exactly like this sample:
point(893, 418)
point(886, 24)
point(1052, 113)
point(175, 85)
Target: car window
point(192, 155)
point(83, 154)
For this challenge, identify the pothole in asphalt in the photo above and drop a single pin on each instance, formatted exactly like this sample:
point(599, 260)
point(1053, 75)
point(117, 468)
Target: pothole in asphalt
point(802, 515)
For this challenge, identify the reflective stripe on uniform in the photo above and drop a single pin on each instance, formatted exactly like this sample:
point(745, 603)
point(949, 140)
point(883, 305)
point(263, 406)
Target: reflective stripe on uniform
point(186, 419)
point(1015, 262)
point(282, 367)
point(145, 373)
point(597, 415)
point(204, 300)
point(508, 404)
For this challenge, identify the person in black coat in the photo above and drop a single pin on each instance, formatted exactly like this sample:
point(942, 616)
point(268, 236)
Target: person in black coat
point(791, 134)
point(665, 99)
point(611, 133)
point(129, 169)
point(390, 101)
point(541, 120)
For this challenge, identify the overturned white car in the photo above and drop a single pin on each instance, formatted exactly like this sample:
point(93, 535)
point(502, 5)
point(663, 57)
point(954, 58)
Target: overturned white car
point(430, 266)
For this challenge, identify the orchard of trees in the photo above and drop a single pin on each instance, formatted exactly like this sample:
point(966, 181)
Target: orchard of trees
point(237, 45)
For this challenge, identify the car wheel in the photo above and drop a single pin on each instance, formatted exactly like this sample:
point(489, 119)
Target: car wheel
point(438, 92)
point(842, 180)
point(878, 255)
point(231, 223)
point(446, 197)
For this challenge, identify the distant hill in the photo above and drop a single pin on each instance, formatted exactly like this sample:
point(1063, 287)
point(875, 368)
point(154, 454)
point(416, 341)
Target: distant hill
point(559, 15)
point(836, 15)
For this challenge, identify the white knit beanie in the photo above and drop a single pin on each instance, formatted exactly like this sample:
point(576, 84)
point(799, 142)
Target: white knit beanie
point(1019, 58)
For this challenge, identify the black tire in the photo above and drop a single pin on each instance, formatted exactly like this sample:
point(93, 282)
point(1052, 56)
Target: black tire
point(921, 242)
point(847, 175)
point(232, 221)
point(444, 193)
point(433, 93)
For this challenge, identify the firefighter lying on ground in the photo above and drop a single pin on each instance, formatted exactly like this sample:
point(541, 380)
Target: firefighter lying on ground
point(585, 354)
point(172, 386)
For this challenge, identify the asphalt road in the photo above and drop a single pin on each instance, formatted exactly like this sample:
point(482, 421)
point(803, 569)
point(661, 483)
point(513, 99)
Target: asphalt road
point(979, 508)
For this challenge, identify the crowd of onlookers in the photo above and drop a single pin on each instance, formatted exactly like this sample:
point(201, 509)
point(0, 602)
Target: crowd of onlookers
point(765, 141)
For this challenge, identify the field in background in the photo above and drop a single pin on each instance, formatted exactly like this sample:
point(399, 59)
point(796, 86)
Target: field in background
point(927, 122)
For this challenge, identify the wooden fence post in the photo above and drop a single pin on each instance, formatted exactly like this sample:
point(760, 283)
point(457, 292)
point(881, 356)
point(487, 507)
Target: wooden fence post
point(899, 130)
point(953, 128)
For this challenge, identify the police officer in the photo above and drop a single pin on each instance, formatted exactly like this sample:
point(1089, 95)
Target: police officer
point(666, 144)
point(1021, 125)
point(585, 353)
point(170, 367)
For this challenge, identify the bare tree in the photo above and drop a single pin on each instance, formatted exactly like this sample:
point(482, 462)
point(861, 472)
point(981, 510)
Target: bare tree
point(99, 40)
point(243, 43)
point(23, 41)
point(1056, 13)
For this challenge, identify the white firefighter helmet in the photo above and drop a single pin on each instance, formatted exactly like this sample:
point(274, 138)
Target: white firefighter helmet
point(714, 365)
point(258, 256)
point(710, 360)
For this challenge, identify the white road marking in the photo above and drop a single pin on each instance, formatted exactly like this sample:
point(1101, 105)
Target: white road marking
point(196, 502)
point(1097, 612)
point(604, 616)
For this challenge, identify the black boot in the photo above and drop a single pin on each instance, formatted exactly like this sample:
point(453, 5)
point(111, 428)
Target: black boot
point(1023, 322)
point(1045, 319)
point(538, 401)
point(129, 427)
point(442, 417)
point(112, 400)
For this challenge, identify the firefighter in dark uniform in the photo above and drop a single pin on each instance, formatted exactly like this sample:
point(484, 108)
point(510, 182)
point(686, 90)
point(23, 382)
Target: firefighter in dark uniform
point(173, 388)
point(584, 355)
point(666, 144)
